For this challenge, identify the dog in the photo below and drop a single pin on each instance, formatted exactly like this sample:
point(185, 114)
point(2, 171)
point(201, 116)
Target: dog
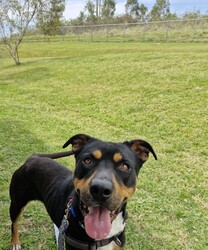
point(89, 205)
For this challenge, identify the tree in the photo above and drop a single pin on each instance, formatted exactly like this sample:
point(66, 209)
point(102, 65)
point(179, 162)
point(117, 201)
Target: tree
point(15, 18)
point(78, 21)
point(108, 9)
point(192, 14)
point(49, 17)
point(132, 8)
point(136, 11)
point(98, 8)
point(90, 8)
point(160, 10)
point(143, 13)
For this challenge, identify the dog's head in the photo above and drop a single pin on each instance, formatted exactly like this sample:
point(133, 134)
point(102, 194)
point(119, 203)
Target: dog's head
point(105, 177)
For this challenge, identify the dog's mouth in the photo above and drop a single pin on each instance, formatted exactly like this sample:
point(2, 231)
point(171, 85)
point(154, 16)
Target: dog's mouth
point(98, 221)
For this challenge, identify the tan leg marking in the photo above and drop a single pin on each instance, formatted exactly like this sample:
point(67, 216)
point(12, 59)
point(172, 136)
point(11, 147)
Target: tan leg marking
point(15, 242)
point(15, 236)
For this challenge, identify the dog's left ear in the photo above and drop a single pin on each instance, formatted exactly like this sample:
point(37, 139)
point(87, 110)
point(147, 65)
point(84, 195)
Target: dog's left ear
point(142, 149)
point(78, 141)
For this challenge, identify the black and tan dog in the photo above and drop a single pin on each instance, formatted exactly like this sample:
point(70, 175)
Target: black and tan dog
point(95, 195)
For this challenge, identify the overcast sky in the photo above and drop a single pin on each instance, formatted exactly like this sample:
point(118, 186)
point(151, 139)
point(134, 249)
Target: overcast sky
point(73, 7)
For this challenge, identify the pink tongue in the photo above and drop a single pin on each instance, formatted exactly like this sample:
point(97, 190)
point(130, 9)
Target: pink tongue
point(98, 223)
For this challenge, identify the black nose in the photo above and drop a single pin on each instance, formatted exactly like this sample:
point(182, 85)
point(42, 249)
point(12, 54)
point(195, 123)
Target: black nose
point(101, 189)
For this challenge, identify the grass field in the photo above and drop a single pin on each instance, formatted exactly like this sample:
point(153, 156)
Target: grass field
point(116, 92)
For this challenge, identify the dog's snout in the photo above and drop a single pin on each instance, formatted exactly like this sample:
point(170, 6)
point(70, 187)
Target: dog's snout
point(101, 189)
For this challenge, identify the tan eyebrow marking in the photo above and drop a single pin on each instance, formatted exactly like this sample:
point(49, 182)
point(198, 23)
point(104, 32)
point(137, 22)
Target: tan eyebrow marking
point(97, 154)
point(117, 157)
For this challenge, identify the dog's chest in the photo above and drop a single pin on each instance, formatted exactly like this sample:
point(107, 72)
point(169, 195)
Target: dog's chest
point(118, 226)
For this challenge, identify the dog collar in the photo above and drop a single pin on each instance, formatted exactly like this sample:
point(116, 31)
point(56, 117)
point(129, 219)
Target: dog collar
point(82, 245)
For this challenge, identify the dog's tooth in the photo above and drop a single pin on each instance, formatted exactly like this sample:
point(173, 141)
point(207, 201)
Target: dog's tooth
point(112, 213)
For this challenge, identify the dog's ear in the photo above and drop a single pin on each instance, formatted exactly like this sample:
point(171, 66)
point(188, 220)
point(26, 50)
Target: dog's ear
point(142, 149)
point(77, 141)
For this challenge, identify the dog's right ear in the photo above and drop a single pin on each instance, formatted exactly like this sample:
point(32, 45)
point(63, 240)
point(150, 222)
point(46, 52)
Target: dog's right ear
point(77, 141)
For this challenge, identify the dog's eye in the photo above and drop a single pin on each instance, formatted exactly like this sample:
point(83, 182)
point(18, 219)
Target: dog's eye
point(124, 167)
point(87, 161)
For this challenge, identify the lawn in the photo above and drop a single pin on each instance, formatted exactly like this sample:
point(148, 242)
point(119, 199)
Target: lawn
point(115, 92)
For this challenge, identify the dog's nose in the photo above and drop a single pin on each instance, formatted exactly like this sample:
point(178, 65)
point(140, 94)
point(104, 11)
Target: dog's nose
point(101, 189)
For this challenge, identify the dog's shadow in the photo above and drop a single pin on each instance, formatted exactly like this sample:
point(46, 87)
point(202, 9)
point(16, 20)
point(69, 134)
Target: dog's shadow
point(17, 143)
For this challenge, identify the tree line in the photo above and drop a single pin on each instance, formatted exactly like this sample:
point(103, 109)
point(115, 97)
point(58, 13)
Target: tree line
point(16, 16)
point(103, 11)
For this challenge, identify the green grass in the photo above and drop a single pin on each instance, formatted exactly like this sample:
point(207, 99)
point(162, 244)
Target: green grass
point(117, 92)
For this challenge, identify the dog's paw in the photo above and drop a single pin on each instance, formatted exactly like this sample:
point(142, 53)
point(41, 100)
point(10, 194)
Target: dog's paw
point(16, 247)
